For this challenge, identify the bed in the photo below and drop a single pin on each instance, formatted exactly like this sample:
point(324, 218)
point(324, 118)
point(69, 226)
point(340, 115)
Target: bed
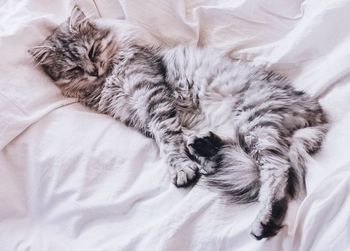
point(72, 179)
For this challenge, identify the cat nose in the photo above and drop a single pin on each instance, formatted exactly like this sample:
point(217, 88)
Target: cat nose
point(94, 73)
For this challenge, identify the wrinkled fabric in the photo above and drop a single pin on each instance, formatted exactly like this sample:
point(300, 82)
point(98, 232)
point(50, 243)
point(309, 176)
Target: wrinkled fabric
point(72, 179)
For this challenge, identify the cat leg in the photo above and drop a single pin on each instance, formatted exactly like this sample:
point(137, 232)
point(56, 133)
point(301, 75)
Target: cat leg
point(271, 152)
point(205, 148)
point(154, 115)
point(166, 129)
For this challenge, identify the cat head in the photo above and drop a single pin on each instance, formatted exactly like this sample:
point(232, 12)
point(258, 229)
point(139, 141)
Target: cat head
point(77, 54)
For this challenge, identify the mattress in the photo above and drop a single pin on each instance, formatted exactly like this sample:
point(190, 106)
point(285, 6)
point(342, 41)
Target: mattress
point(72, 179)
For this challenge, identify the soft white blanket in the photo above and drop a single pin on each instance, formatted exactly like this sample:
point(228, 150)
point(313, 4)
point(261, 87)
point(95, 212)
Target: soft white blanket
point(71, 179)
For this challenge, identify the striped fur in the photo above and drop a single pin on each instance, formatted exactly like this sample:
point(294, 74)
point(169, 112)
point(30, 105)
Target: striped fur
point(245, 128)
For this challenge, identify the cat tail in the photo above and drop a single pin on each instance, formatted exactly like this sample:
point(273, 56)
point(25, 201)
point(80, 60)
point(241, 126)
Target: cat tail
point(304, 142)
point(237, 175)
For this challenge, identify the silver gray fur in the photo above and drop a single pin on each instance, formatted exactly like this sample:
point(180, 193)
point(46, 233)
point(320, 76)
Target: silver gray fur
point(246, 128)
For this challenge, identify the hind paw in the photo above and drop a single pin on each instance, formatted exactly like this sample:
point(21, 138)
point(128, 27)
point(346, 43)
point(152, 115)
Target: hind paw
point(262, 230)
point(204, 149)
point(206, 145)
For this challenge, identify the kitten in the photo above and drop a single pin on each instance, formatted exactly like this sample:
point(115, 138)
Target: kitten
point(246, 128)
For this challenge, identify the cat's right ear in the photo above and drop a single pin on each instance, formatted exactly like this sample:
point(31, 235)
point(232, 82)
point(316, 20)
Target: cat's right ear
point(40, 53)
point(76, 18)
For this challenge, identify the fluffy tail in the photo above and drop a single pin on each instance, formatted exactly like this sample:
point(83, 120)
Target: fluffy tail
point(237, 176)
point(304, 142)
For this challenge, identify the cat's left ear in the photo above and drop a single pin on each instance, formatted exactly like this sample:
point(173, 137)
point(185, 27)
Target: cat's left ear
point(77, 17)
point(40, 53)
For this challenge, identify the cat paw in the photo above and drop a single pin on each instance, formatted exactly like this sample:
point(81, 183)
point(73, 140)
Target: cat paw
point(184, 173)
point(262, 230)
point(207, 167)
point(204, 148)
point(206, 145)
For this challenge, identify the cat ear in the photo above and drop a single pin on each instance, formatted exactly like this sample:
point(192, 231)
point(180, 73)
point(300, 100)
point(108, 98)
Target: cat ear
point(40, 53)
point(77, 17)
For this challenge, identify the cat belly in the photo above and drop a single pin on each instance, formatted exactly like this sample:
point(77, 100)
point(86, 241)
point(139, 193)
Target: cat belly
point(215, 116)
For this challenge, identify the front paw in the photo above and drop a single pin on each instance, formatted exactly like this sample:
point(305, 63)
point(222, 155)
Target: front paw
point(262, 230)
point(184, 173)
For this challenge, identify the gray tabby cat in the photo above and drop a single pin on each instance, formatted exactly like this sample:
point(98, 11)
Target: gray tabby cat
point(246, 128)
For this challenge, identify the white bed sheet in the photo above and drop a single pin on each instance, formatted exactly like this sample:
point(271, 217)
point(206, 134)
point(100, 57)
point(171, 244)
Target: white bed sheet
point(71, 179)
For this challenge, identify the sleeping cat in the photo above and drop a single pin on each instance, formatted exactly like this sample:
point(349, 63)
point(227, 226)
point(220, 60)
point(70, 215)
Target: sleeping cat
point(245, 128)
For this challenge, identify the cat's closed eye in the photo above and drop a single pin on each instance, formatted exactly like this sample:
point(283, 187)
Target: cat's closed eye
point(91, 53)
point(74, 71)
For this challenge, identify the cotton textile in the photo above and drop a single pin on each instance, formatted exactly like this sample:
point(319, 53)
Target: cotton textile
point(72, 179)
